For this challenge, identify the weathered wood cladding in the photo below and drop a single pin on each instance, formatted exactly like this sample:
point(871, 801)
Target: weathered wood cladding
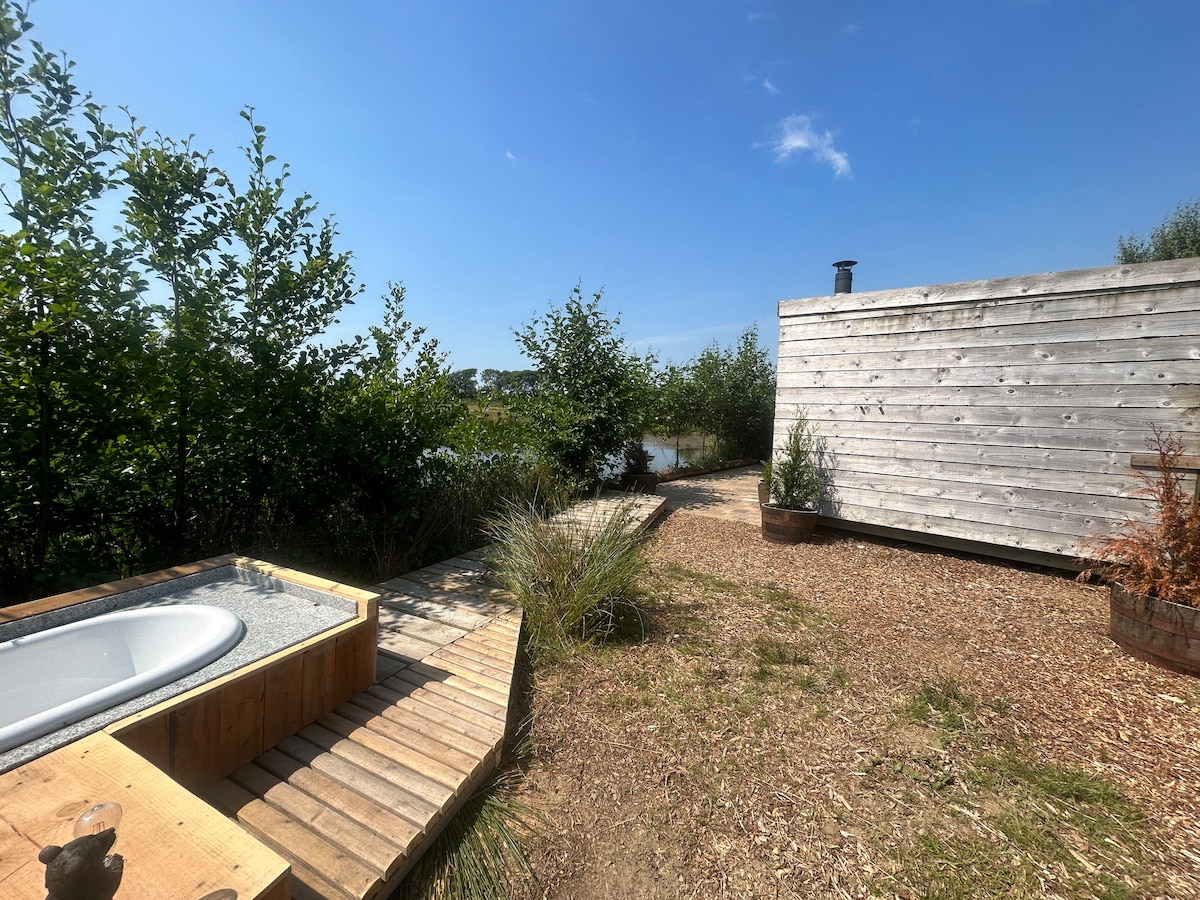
point(1004, 412)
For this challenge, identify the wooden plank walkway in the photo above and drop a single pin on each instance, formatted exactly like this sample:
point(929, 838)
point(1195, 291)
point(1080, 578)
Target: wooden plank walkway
point(355, 798)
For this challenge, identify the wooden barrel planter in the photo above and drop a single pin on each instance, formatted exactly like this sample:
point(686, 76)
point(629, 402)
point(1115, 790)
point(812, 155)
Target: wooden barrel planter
point(640, 483)
point(787, 526)
point(1165, 634)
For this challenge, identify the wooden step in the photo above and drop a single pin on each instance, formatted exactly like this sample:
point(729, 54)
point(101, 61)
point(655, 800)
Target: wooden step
point(353, 799)
point(334, 872)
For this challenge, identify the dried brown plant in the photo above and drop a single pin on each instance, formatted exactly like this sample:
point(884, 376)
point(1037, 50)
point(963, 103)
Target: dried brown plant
point(1159, 556)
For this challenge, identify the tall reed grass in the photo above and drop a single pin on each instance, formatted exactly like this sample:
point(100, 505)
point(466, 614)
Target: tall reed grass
point(577, 578)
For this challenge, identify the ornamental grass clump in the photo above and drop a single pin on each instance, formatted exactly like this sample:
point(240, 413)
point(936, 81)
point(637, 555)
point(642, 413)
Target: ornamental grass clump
point(482, 853)
point(1159, 557)
point(576, 576)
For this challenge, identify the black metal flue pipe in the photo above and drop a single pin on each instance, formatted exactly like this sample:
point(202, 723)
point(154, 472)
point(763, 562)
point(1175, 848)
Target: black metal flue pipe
point(843, 281)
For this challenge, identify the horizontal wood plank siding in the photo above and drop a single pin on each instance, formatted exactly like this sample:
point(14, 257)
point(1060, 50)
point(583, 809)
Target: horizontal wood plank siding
point(1005, 412)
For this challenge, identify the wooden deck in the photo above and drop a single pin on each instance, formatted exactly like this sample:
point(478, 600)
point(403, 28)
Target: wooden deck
point(354, 799)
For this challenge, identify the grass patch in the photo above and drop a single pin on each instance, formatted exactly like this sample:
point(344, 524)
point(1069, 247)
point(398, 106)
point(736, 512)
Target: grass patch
point(778, 660)
point(1049, 830)
point(577, 581)
point(942, 703)
point(1007, 826)
point(770, 651)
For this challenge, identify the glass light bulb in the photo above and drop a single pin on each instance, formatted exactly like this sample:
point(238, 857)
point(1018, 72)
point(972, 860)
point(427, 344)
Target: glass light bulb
point(96, 818)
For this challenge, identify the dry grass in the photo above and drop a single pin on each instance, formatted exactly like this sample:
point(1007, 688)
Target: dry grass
point(854, 719)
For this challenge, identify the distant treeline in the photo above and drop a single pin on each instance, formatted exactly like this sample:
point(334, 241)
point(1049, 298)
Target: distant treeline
point(504, 382)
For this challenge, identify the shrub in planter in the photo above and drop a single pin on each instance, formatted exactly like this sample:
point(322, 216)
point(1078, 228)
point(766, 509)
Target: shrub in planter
point(637, 475)
point(797, 483)
point(1153, 568)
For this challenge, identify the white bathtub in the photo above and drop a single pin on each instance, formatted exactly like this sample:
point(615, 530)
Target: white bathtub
point(56, 677)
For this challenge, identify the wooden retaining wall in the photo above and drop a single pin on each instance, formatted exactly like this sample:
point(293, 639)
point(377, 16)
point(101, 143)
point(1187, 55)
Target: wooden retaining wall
point(208, 732)
point(1002, 412)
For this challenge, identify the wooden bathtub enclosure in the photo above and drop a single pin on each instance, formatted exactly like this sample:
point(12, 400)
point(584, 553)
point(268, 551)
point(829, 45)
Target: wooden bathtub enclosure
point(1004, 412)
point(212, 730)
point(209, 731)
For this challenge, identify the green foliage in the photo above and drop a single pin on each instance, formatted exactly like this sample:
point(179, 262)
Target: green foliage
point(593, 392)
point(737, 390)
point(678, 409)
point(71, 333)
point(1178, 237)
point(504, 383)
point(636, 457)
point(577, 580)
point(728, 392)
point(173, 223)
point(796, 477)
point(140, 429)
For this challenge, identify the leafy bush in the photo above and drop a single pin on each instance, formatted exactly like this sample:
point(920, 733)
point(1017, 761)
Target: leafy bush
point(144, 428)
point(1178, 237)
point(735, 388)
point(637, 458)
point(576, 577)
point(1160, 557)
point(592, 391)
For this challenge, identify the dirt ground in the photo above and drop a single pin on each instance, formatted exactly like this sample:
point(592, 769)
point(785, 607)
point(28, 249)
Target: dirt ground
point(855, 718)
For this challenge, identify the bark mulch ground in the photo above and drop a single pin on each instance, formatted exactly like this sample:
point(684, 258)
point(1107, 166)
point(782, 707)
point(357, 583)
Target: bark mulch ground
point(851, 718)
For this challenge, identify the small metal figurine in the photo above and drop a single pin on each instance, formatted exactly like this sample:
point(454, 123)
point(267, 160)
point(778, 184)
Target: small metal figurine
point(83, 870)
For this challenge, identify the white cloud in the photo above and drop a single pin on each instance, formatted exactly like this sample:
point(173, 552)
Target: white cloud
point(771, 89)
point(797, 135)
point(510, 156)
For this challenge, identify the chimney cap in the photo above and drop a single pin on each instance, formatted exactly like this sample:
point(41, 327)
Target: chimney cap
point(846, 263)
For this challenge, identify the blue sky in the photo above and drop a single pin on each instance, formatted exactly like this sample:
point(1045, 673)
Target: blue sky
point(699, 159)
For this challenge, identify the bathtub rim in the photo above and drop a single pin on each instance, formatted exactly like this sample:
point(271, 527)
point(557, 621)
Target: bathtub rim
point(367, 602)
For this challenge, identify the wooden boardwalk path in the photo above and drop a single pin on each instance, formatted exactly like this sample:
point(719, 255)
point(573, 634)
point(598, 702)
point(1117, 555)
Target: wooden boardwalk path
point(355, 798)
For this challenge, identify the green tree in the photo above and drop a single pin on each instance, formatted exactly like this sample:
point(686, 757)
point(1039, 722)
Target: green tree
point(501, 383)
point(173, 220)
point(71, 332)
point(286, 285)
point(678, 408)
point(592, 389)
point(142, 428)
point(462, 383)
point(384, 424)
point(1178, 237)
point(734, 389)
